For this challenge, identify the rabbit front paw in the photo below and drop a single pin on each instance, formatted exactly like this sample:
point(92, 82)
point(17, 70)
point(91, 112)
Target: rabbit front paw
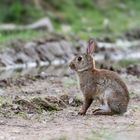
point(81, 112)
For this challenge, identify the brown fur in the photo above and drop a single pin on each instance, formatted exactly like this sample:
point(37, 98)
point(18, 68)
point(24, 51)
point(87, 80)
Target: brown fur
point(104, 85)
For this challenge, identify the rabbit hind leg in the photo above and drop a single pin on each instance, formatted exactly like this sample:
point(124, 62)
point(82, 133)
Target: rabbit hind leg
point(103, 110)
point(118, 103)
point(117, 107)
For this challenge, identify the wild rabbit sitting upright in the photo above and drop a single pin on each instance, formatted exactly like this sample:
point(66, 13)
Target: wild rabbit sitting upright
point(100, 84)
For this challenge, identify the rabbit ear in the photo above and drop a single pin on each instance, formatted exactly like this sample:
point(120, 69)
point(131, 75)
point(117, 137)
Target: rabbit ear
point(91, 46)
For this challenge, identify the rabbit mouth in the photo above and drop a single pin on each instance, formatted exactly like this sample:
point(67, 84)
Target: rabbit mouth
point(72, 66)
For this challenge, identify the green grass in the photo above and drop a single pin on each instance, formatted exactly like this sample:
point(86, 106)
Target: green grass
point(25, 35)
point(126, 63)
point(87, 21)
point(5, 37)
point(19, 11)
point(85, 17)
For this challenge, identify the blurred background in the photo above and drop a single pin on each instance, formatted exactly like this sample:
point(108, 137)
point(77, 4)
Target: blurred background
point(26, 24)
point(38, 38)
point(83, 17)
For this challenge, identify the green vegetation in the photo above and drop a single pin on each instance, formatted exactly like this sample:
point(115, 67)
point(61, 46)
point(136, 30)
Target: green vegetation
point(26, 35)
point(19, 11)
point(95, 18)
point(127, 62)
point(84, 17)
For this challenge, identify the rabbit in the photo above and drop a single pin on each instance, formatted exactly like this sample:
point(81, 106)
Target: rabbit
point(101, 84)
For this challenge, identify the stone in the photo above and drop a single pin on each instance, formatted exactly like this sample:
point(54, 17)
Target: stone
point(17, 44)
point(133, 69)
point(66, 47)
point(41, 24)
point(44, 23)
point(7, 58)
point(29, 49)
point(22, 58)
point(55, 49)
point(44, 54)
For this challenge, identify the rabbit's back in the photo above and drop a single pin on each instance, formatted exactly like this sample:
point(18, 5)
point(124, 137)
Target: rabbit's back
point(99, 83)
point(113, 81)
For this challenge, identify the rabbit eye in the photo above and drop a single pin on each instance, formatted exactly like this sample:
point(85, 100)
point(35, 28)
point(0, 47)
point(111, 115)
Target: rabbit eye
point(79, 58)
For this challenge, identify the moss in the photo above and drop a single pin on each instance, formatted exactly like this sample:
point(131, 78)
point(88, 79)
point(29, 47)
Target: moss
point(127, 62)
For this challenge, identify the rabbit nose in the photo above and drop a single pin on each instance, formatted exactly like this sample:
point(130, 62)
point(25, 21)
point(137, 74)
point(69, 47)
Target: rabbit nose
point(71, 65)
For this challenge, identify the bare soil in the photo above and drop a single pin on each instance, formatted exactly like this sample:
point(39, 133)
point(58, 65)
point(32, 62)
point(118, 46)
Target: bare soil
point(56, 118)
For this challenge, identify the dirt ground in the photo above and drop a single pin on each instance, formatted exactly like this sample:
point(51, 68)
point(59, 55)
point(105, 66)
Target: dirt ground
point(63, 123)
